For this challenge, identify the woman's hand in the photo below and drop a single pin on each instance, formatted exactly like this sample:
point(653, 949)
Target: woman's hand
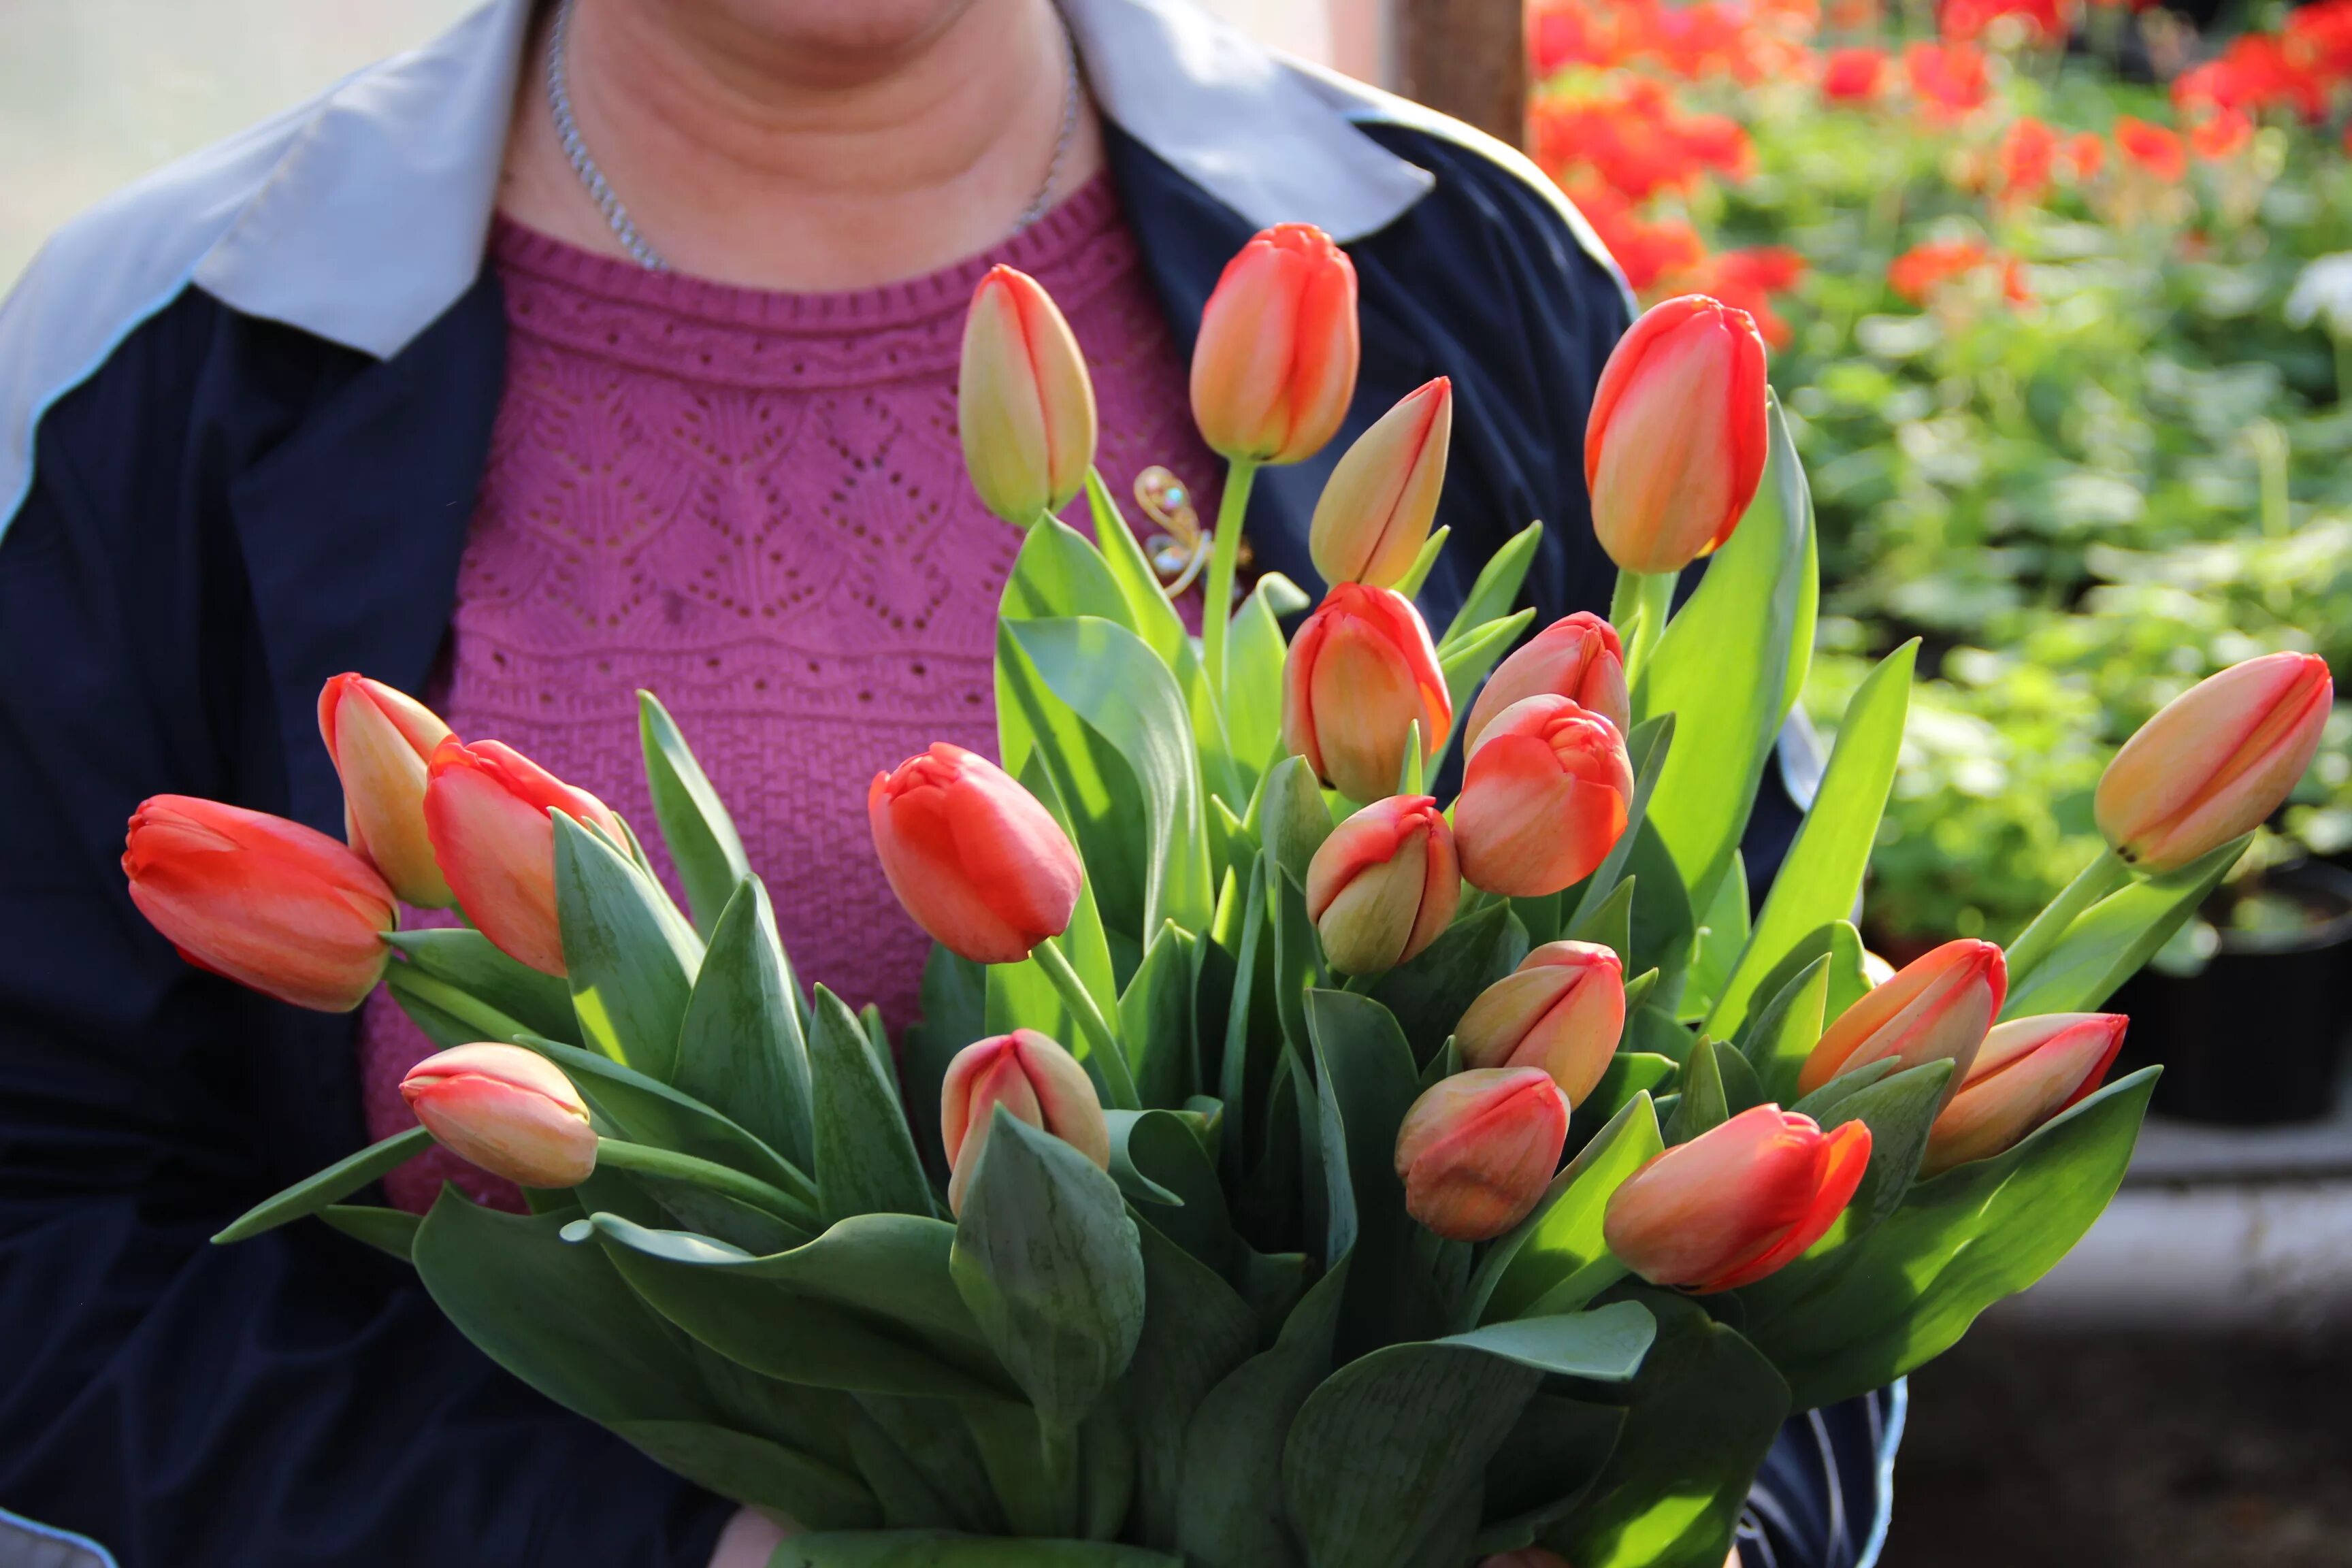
point(747, 1542)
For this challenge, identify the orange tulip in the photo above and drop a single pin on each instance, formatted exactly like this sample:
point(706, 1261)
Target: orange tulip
point(1561, 1010)
point(971, 855)
point(1544, 798)
point(1274, 365)
point(1675, 446)
point(265, 903)
point(381, 741)
point(1360, 673)
point(1737, 1202)
point(2215, 761)
point(486, 811)
point(1936, 1009)
point(1477, 1150)
point(1577, 657)
point(1025, 407)
point(2028, 1072)
point(1374, 515)
point(509, 1111)
point(1035, 1080)
point(1383, 885)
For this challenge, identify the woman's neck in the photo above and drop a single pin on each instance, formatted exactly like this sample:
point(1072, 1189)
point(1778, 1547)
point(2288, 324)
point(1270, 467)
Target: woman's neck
point(855, 146)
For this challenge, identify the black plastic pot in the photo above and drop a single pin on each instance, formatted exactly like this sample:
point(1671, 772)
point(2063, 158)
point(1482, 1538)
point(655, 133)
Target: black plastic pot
point(2257, 1038)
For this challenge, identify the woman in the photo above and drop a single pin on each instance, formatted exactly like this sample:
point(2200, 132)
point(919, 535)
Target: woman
point(595, 346)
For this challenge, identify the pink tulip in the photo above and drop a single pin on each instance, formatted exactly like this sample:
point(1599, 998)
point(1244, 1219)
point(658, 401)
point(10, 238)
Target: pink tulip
point(1360, 673)
point(1675, 446)
point(1274, 365)
point(1376, 510)
point(2215, 761)
point(971, 855)
point(1561, 1010)
point(1034, 1079)
point(1544, 798)
point(1477, 1150)
point(2028, 1072)
point(1577, 657)
point(1936, 1009)
point(485, 812)
point(1737, 1202)
point(1384, 885)
point(1025, 407)
point(381, 741)
point(265, 903)
point(509, 1111)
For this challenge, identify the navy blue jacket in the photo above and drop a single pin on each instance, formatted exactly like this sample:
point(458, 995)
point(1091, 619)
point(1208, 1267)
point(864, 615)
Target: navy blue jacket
point(244, 413)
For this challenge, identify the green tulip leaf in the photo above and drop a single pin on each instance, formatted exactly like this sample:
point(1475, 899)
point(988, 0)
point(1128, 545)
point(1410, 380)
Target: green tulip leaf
point(1364, 1083)
point(1630, 1073)
point(1646, 750)
point(1661, 925)
point(1465, 665)
point(1423, 562)
point(1611, 922)
point(749, 1469)
point(921, 1459)
point(631, 964)
point(1256, 651)
point(642, 1110)
point(1430, 993)
point(939, 1549)
point(1702, 1106)
point(466, 958)
point(1021, 995)
point(740, 1047)
point(1825, 1100)
point(1781, 1036)
point(389, 1231)
point(2107, 943)
point(1196, 1331)
point(1497, 586)
point(1562, 1236)
point(865, 1159)
point(331, 1185)
point(1297, 965)
point(1553, 1454)
point(1294, 818)
point(703, 843)
point(955, 1014)
point(1722, 935)
point(1155, 1019)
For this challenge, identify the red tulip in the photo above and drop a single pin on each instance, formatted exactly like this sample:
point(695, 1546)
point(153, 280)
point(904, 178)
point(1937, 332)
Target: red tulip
point(1675, 446)
point(486, 811)
point(2028, 1072)
point(1544, 798)
point(381, 741)
point(509, 1111)
point(1479, 1148)
point(1936, 1009)
point(265, 903)
point(1383, 885)
point(2215, 761)
point(1035, 1080)
point(1025, 407)
point(1360, 675)
point(1374, 513)
point(1577, 657)
point(1274, 365)
point(971, 855)
point(1737, 1202)
point(1561, 1010)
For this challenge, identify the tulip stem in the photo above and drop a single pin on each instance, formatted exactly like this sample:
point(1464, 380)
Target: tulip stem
point(1225, 555)
point(1638, 609)
point(2035, 944)
point(648, 1161)
point(1103, 1049)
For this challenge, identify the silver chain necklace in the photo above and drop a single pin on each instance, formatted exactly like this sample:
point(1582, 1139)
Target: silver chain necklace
point(617, 216)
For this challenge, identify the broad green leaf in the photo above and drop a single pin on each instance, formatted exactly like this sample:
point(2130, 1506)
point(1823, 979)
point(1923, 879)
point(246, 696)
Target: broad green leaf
point(645, 1111)
point(1297, 952)
point(1060, 572)
point(1465, 665)
point(1094, 784)
point(1553, 1454)
point(1727, 667)
point(1430, 993)
point(1497, 586)
point(1423, 562)
point(1611, 924)
point(1364, 1083)
point(1819, 1103)
point(1780, 1039)
point(740, 1047)
point(1155, 1019)
point(1661, 925)
point(1020, 995)
point(331, 1185)
point(1050, 1264)
point(1562, 1234)
point(465, 958)
point(1701, 1106)
point(954, 1015)
point(2108, 941)
point(1161, 1150)
point(1245, 1061)
point(1254, 652)
point(1742, 1089)
point(1646, 750)
point(938, 1549)
point(1898, 1110)
point(390, 1231)
point(1294, 818)
point(631, 967)
point(1630, 1073)
point(1652, 1029)
point(922, 1447)
point(1821, 877)
point(866, 1160)
point(703, 843)
point(749, 1469)
point(1722, 933)
point(1196, 1330)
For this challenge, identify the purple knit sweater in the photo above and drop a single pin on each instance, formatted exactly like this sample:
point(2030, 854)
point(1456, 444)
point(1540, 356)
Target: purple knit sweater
point(753, 505)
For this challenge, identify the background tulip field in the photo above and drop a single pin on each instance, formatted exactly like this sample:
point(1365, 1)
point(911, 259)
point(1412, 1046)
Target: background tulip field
point(2061, 310)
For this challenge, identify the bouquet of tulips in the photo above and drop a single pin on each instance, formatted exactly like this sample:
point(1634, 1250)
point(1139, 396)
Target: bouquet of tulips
point(1286, 1169)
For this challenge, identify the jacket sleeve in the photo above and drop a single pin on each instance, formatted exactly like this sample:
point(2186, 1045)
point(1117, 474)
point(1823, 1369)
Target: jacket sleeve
point(292, 1400)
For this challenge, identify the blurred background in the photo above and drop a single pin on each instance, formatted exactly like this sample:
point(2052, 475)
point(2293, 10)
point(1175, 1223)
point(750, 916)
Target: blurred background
point(2059, 300)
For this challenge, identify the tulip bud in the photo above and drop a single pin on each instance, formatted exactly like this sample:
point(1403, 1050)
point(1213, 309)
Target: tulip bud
point(1360, 673)
point(1024, 405)
point(1675, 446)
point(1936, 1009)
point(1577, 657)
point(381, 741)
point(2215, 761)
point(265, 903)
point(1031, 1077)
point(1274, 365)
point(971, 855)
point(1544, 798)
point(1737, 1202)
point(1477, 1150)
point(1374, 513)
point(509, 1111)
point(1383, 885)
point(1561, 1010)
point(486, 811)
point(2028, 1072)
